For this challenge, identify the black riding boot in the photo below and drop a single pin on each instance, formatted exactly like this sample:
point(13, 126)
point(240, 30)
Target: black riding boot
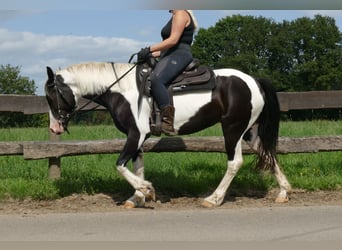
point(168, 114)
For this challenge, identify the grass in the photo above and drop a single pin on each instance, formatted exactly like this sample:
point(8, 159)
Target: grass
point(174, 174)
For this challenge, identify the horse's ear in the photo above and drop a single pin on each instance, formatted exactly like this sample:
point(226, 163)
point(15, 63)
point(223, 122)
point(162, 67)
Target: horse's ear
point(51, 76)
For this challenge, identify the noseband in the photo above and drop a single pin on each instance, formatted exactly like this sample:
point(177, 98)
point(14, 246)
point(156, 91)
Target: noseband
point(64, 119)
point(63, 116)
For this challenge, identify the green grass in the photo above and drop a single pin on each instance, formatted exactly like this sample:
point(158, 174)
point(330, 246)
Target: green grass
point(174, 174)
point(307, 128)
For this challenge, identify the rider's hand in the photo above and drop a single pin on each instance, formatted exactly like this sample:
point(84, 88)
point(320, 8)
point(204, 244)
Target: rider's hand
point(144, 54)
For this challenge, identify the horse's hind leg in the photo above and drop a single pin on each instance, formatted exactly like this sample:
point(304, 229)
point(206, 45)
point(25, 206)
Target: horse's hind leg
point(232, 131)
point(284, 185)
point(233, 167)
point(253, 140)
point(138, 199)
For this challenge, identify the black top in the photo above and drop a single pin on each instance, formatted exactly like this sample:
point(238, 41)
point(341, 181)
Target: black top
point(187, 35)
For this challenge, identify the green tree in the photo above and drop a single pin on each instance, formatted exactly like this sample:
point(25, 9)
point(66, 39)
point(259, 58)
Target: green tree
point(318, 53)
point(11, 82)
point(281, 57)
point(237, 41)
point(304, 54)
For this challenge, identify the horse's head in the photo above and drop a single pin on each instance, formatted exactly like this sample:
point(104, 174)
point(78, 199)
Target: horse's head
point(61, 101)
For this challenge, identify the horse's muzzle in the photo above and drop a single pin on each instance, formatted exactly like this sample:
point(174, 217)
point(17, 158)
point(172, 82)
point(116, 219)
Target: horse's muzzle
point(56, 127)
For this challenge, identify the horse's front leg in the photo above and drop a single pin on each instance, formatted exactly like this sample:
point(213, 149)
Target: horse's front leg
point(138, 199)
point(144, 189)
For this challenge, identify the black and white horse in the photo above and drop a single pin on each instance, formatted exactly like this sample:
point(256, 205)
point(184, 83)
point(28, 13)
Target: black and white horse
point(247, 109)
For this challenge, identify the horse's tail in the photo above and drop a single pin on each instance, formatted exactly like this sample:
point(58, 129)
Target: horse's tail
point(268, 129)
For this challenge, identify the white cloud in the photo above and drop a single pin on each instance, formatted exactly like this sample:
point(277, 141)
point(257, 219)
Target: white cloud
point(33, 52)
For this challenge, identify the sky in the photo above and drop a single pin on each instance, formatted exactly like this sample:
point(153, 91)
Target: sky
point(36, 33)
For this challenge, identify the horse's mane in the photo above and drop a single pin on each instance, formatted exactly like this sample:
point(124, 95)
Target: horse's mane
point(82, 68)
point(93, 77)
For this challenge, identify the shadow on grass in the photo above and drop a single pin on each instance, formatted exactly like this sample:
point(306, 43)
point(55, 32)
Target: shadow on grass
point(198, 181)
point(117, 187)
point(247, 183)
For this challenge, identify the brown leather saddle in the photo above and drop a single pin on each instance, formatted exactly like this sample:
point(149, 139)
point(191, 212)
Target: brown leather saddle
point(194, 78)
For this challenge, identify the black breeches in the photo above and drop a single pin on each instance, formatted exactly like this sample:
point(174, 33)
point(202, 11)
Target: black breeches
point(166, 70)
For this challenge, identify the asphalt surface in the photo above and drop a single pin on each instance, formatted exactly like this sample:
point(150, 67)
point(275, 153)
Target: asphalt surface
point(312, 223)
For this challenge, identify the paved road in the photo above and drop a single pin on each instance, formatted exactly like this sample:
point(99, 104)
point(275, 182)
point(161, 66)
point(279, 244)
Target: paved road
point(248, 224)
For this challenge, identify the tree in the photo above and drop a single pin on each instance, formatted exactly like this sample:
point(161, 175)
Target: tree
point(318, 54)
point(237, 41)
point(304, 54)
point(11, 82)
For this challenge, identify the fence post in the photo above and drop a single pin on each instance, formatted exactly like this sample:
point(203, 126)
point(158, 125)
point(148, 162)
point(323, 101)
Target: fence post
point(54, 171)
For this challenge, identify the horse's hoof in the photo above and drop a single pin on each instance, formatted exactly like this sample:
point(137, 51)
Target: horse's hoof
point(149, 193)
point(207, 204)
point(151, 196)
point(129, 205)
point(282, 199)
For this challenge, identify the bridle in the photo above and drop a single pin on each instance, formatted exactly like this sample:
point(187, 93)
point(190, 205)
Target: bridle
point(63, 116)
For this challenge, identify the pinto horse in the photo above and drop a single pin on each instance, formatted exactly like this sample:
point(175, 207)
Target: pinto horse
point(247, 109)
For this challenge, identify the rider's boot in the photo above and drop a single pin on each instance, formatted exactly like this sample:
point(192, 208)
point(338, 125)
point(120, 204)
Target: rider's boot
point(168, 114)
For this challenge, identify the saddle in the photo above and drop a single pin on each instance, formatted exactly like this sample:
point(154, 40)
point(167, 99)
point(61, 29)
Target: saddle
point(194, 78)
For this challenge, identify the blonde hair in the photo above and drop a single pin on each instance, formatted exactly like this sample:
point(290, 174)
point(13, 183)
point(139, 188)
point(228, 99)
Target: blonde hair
point(191, 13)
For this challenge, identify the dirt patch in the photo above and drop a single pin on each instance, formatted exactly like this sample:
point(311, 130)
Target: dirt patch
point(107, 203)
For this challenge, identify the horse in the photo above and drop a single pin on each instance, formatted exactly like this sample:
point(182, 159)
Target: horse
point(246, 107)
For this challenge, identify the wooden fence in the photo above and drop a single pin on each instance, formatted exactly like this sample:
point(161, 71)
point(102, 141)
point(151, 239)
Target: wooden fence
point(54, 149)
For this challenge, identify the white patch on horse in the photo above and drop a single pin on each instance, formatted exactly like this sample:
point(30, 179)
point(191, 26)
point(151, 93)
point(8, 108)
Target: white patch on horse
point(187, 105)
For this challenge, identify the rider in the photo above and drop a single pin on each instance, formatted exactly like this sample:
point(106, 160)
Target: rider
point(174, 54)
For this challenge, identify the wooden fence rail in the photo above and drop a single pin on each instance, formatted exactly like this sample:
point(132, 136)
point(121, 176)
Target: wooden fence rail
point(55, 149)
point(33, 150)
point(29, 104)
